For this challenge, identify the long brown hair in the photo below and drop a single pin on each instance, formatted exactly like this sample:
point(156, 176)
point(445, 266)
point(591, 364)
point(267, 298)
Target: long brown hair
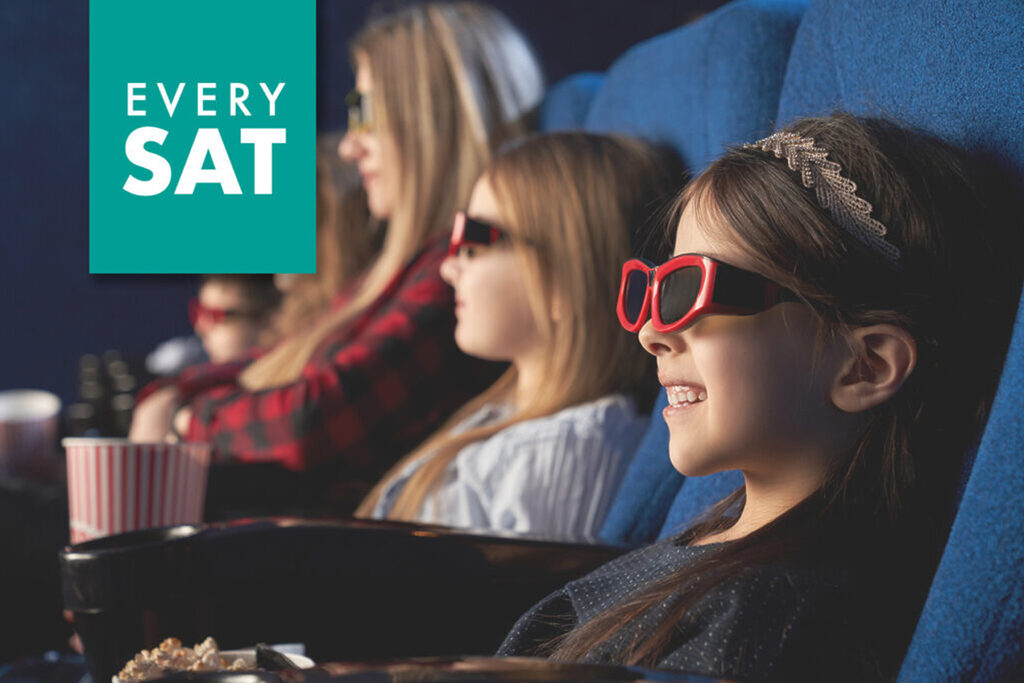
point(884, 508)
point(453, 81)
point(579, 201)
point(345, 241)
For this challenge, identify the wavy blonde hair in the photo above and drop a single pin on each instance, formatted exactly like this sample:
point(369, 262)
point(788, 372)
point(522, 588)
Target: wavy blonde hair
point(453, 82)
point(574, 199)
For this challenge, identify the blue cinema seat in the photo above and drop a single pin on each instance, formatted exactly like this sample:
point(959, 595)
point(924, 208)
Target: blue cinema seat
point(567, 102)
point(955, 69)
point(707, 85)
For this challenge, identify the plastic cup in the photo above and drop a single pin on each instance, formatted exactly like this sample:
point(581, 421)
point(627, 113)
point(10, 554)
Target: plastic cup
point(115, 485)
point(29, 422)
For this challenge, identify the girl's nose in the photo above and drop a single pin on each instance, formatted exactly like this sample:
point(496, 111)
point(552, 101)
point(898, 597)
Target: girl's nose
point(450, 270)
point(202, 326)
point(350, 147)
point(659, 343)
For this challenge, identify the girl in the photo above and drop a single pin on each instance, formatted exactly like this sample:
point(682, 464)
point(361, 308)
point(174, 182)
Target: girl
point(534, 262)
point(832, 326)
point(438, 87)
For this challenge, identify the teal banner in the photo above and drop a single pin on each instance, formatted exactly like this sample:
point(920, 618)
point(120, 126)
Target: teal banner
point(202, 136)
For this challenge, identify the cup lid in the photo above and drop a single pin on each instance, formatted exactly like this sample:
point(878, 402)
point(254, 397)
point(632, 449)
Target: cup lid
point(121, 441)
point(26, 405)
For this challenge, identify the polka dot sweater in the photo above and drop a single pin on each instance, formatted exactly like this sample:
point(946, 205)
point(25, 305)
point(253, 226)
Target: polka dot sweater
point(772, 623)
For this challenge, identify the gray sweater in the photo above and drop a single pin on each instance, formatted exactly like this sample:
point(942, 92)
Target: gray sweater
point(772, 623)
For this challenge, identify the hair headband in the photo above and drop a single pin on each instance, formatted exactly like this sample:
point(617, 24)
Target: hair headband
point(836, 194)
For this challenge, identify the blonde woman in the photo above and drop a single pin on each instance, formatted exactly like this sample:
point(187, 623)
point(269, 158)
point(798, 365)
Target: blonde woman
point(535, 262)
point(439, 86)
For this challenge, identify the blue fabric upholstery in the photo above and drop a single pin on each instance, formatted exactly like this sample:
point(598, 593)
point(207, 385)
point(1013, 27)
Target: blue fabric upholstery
point(704, 86)
point(697, 89)
point(648, 489)
point(956, 69)
point(694, 499)
point(567, 102)
point(953, 68)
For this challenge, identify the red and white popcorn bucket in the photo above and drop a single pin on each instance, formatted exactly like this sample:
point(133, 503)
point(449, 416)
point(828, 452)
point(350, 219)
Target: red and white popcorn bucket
point(115, 485)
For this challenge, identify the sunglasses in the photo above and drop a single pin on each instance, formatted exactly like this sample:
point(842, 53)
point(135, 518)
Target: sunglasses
point(467, 231)
point(685, 287)
point(197, 312)
point(360, 114)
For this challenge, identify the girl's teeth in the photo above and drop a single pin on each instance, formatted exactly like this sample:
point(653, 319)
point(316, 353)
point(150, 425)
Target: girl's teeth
point(684, 396)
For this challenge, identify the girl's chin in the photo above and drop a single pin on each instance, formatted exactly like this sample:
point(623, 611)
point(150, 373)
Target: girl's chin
point(690, 464)
point(477, 350)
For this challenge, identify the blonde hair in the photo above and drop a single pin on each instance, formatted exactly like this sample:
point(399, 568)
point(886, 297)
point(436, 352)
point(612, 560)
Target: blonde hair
point(345, 242)
point(573, 198)
point(452, 83)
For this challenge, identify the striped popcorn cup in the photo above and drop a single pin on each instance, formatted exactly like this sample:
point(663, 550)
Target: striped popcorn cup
point(115, 485)
point(29, 422)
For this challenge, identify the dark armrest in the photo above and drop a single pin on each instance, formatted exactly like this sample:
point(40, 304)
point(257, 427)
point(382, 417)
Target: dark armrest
point(348, 589)
point(452, 670)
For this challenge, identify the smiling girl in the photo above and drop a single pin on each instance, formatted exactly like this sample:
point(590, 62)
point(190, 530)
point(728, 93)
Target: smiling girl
point(534, 263)
point(831, 325)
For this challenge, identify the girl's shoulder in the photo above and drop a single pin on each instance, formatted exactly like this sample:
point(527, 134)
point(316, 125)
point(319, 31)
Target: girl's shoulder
point(629, 573)
point(612, 410)
point(610, 420)
point(559, 439)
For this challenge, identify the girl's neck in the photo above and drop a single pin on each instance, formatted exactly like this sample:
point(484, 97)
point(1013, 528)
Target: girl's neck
point(767, 498)
point(529, 379)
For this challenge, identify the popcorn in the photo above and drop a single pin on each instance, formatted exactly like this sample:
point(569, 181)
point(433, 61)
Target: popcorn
point(170, 656)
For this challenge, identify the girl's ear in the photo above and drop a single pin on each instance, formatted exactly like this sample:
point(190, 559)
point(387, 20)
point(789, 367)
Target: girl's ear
point(883, 356)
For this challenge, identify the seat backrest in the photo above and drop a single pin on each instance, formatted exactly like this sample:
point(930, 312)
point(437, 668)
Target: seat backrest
point(696, 89)
point(706, 85)
point(956, 69)
point(567, 102)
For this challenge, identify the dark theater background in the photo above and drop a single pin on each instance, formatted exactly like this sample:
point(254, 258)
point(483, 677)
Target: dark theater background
point(51, 310)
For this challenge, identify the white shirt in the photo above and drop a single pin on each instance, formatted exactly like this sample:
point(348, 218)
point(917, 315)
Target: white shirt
point(554, 476)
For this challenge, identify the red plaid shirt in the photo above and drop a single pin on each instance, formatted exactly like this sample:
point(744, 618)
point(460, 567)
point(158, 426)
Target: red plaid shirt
point(374, 388)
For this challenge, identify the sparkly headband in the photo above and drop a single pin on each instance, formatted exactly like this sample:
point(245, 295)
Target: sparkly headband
point(836, 194)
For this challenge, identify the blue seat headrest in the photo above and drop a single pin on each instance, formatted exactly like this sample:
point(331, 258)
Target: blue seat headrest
point(566, 103)
point(703, 86)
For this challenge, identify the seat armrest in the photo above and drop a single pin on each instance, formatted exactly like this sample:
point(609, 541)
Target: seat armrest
point(348, 589)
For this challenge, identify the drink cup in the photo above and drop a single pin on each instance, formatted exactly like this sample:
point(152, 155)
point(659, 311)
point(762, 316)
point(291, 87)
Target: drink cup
point(115, 485)
point(29, 422)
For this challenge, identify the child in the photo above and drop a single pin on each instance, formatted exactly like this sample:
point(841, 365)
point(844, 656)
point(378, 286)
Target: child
point(534, 262)
point(233, 314)
point(832, 326)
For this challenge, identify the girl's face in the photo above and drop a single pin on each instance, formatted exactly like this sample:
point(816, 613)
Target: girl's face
point(240, 329)
point(372, 152)
point(746, 392)
point(494, 318)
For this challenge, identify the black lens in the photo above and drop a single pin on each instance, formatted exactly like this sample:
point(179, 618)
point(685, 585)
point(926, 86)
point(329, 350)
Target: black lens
point(633, 297)
point(678, 293)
